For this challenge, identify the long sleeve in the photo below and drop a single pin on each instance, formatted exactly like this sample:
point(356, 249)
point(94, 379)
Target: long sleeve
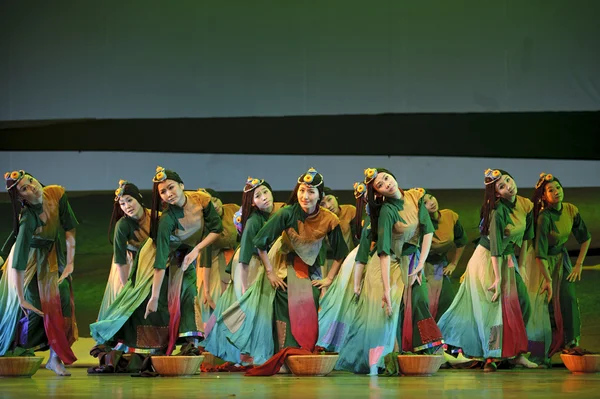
point(273, 228)
point(166, 226)
point(27, 226)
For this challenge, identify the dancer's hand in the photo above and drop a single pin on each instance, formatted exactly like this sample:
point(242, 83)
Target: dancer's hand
point(386, 304)
point(417, 270)
point(412, 279)
point(495, 287)
point(189, 259)
point(151, 307)
point(448, 270)
point(67, 272)
point(326, 282)
point(27, 306)
point(575, 274)
point(276, 281)
point(357, 289)
point(547, 286)
point(208, 300)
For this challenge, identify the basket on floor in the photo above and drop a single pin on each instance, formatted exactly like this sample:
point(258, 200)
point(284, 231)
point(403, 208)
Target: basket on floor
point(22, 366)
point(581, 364)
point(311, 365)
point(420, 365)
point(171, 366)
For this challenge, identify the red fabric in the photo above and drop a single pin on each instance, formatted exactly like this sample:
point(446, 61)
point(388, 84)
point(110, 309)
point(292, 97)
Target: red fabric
point(558, 334)
point(272, 366)
point(304, 321)
point(54, 323)
point(407, 324)
point(175, 281)
point(514, 335)
point(225, 367)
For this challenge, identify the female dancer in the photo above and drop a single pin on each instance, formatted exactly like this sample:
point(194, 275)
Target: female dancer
point(36, 279)
point(555, 323)
point(131, 222)
point(486, 319)
point(400, 224)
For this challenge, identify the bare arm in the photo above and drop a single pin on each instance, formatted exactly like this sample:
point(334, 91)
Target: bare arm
point(274, 279)
point(70, 267)
point(159, 275)
point(576, 273)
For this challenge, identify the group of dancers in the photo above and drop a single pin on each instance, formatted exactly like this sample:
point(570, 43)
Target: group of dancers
point(247, 283)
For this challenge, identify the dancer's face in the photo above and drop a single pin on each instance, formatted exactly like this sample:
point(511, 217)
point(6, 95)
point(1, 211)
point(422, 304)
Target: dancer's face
point(130, 206)
point(506, 188)
point(308, 198)
point(263, 199)
point(171, 192)
point(30, 189)
point(385, 184)
point(331, 203)
point(430, 203)
point(553, 193)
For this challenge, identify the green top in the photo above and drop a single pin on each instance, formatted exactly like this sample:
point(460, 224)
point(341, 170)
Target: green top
point(510, 224)
point(183, 226)
point(554, 228)
point(253, 225)
point(402, 219)
point(129, 235)
point(55, 210)
point(302, 233)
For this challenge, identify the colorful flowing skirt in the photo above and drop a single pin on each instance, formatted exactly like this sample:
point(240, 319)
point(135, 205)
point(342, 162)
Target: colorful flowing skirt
point(482, 328)
point(57, 328)
point(556, 325)
point(373, 334)
point(177, 316)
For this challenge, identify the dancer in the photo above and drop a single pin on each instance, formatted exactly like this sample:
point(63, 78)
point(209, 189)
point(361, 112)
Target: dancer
point(486, 319)
point(402, 231)
point(131, 222)
point(555, 323)
point(36, 297)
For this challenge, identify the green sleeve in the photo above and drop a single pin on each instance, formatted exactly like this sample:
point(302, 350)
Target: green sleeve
point(273, 228)
point(541, 236)
point(425, 219)
point(364, 246)
point(121, 236)
point(496, 234)
point(580, 230)
point(384, 230)
point(460, 238)
point(27, 226)
point(337, 243)
point(529, 227)
point(166, 225)
point(252, 227)
point(10, 241)
point(68, 221)
point(206, 257)
point(212, 220)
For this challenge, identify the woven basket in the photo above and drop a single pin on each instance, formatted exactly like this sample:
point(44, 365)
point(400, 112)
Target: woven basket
point(581, 364)
point(423, 365)
point(212, 360)
point(311, 365)
point(171, 366)
point(23, 366)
